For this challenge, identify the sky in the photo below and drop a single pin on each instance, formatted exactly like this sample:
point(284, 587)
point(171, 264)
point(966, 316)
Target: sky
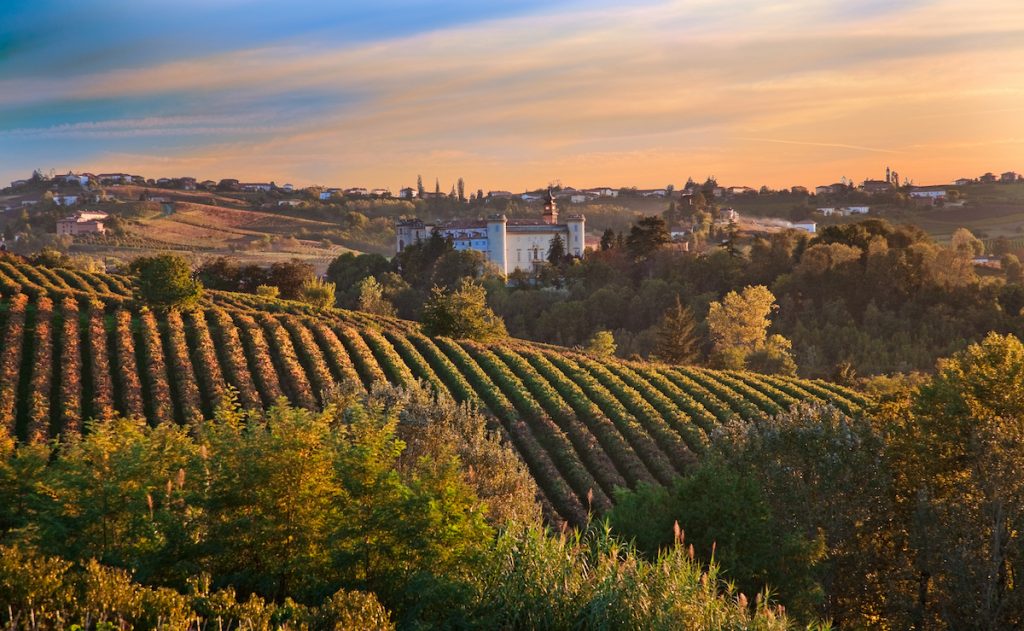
point(513, 95)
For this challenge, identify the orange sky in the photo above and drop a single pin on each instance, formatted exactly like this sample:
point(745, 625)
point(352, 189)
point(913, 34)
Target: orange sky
point(646, 95)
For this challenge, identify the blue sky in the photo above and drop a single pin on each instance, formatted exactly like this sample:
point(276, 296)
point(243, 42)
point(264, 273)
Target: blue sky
point(512, 94)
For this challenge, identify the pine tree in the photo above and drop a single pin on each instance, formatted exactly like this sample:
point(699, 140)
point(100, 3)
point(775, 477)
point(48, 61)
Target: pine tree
point(679, 341)
point(462, 190)
point(607, 239)
point(419, 186)
point(556, 251)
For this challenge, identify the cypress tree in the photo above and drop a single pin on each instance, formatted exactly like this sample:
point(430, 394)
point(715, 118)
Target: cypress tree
point(679, 341)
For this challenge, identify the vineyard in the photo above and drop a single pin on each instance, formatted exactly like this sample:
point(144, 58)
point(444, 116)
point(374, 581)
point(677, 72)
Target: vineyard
point(77, 346)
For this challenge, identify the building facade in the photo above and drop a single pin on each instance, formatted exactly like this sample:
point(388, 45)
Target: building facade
point(507, 243)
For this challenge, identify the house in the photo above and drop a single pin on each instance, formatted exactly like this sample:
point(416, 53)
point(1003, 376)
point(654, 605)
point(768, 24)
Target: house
point(509, 244)
point(603, 191)
point(875, 186)
point(499, 195)
point(116, 178)
point(65, 200)
point(187, 183)
point(578, 198)
point(289, 202)
point(329, 193)
point(798, 190)
point(531, 197)
point(829, 211)
point(729, 215)
point(927, 193)
point(407, 193)
point(380, 192)
point(830, 189)
point(739, 190)
point(288, 188)
point(718, 191)
point(806, 226)
point(72, 178)
point(84, 222)
point(964, 181)
point(988, 178)
point(856, 210)
point(256, 187)
point(164, 181)
point(356, 192)
point(1009, 176)
point(654, 192)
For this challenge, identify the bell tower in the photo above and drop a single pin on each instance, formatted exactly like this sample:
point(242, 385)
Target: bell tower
point(550, 208)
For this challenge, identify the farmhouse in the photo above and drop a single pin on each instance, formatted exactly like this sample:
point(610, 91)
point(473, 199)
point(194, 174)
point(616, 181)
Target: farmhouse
point(407, 193)
point(875, 186)
point(84, 222)
point(74, 178)
point(508, 244)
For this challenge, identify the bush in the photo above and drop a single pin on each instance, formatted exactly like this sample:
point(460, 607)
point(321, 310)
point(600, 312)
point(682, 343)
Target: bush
point(462, 314)
point(166, 281)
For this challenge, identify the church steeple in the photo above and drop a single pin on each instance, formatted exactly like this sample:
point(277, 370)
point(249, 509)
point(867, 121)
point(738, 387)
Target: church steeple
point(550, 208)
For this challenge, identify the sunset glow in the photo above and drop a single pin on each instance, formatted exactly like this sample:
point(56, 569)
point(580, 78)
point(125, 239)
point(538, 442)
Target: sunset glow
point(515, 95)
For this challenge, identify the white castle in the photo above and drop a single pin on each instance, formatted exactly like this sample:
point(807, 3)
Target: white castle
point(509, 244)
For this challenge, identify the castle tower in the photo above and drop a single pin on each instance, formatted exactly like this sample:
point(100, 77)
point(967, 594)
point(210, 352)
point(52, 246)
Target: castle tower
point(575, 241)
point(496, 242)
point(550, 208)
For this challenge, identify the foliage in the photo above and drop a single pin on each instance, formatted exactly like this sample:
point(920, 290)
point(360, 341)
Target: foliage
point(738, 326)
point(371, 298)
point(679, 339)
point(166, 281)
point(462, 313)
point(267, 291)
point(601, 345)
point(726, 518)
point(316, 292)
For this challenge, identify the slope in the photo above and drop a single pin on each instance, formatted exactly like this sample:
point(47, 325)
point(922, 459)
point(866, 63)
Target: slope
point(76, 346)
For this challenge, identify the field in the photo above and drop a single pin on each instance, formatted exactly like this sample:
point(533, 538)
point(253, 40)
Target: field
point(76, 346)
point(209, 231)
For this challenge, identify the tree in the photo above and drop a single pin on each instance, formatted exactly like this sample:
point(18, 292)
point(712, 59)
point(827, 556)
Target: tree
point(317, 292)
point(371, 298)
point(957, 445)
point(601, 345)
point(556, 250)
point(964, 243)
point(290, 277)
point(646, 236)
point(165, 281)
point(461, 188)
point(1013, 269)
point(419, 186)
point(725, 516)
point(462, 313)
point(738, 325)
point(607, 239)
point(679, 339)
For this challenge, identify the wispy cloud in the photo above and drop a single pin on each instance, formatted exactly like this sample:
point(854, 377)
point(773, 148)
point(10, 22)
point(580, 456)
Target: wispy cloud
point(640, 94)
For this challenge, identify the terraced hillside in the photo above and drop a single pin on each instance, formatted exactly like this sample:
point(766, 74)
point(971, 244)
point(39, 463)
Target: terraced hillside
point(76, 346)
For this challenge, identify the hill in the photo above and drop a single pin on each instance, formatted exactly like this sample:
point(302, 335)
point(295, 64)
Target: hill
point(75, 345)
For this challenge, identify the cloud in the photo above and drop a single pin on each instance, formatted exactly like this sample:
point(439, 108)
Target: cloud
point(637, 93)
